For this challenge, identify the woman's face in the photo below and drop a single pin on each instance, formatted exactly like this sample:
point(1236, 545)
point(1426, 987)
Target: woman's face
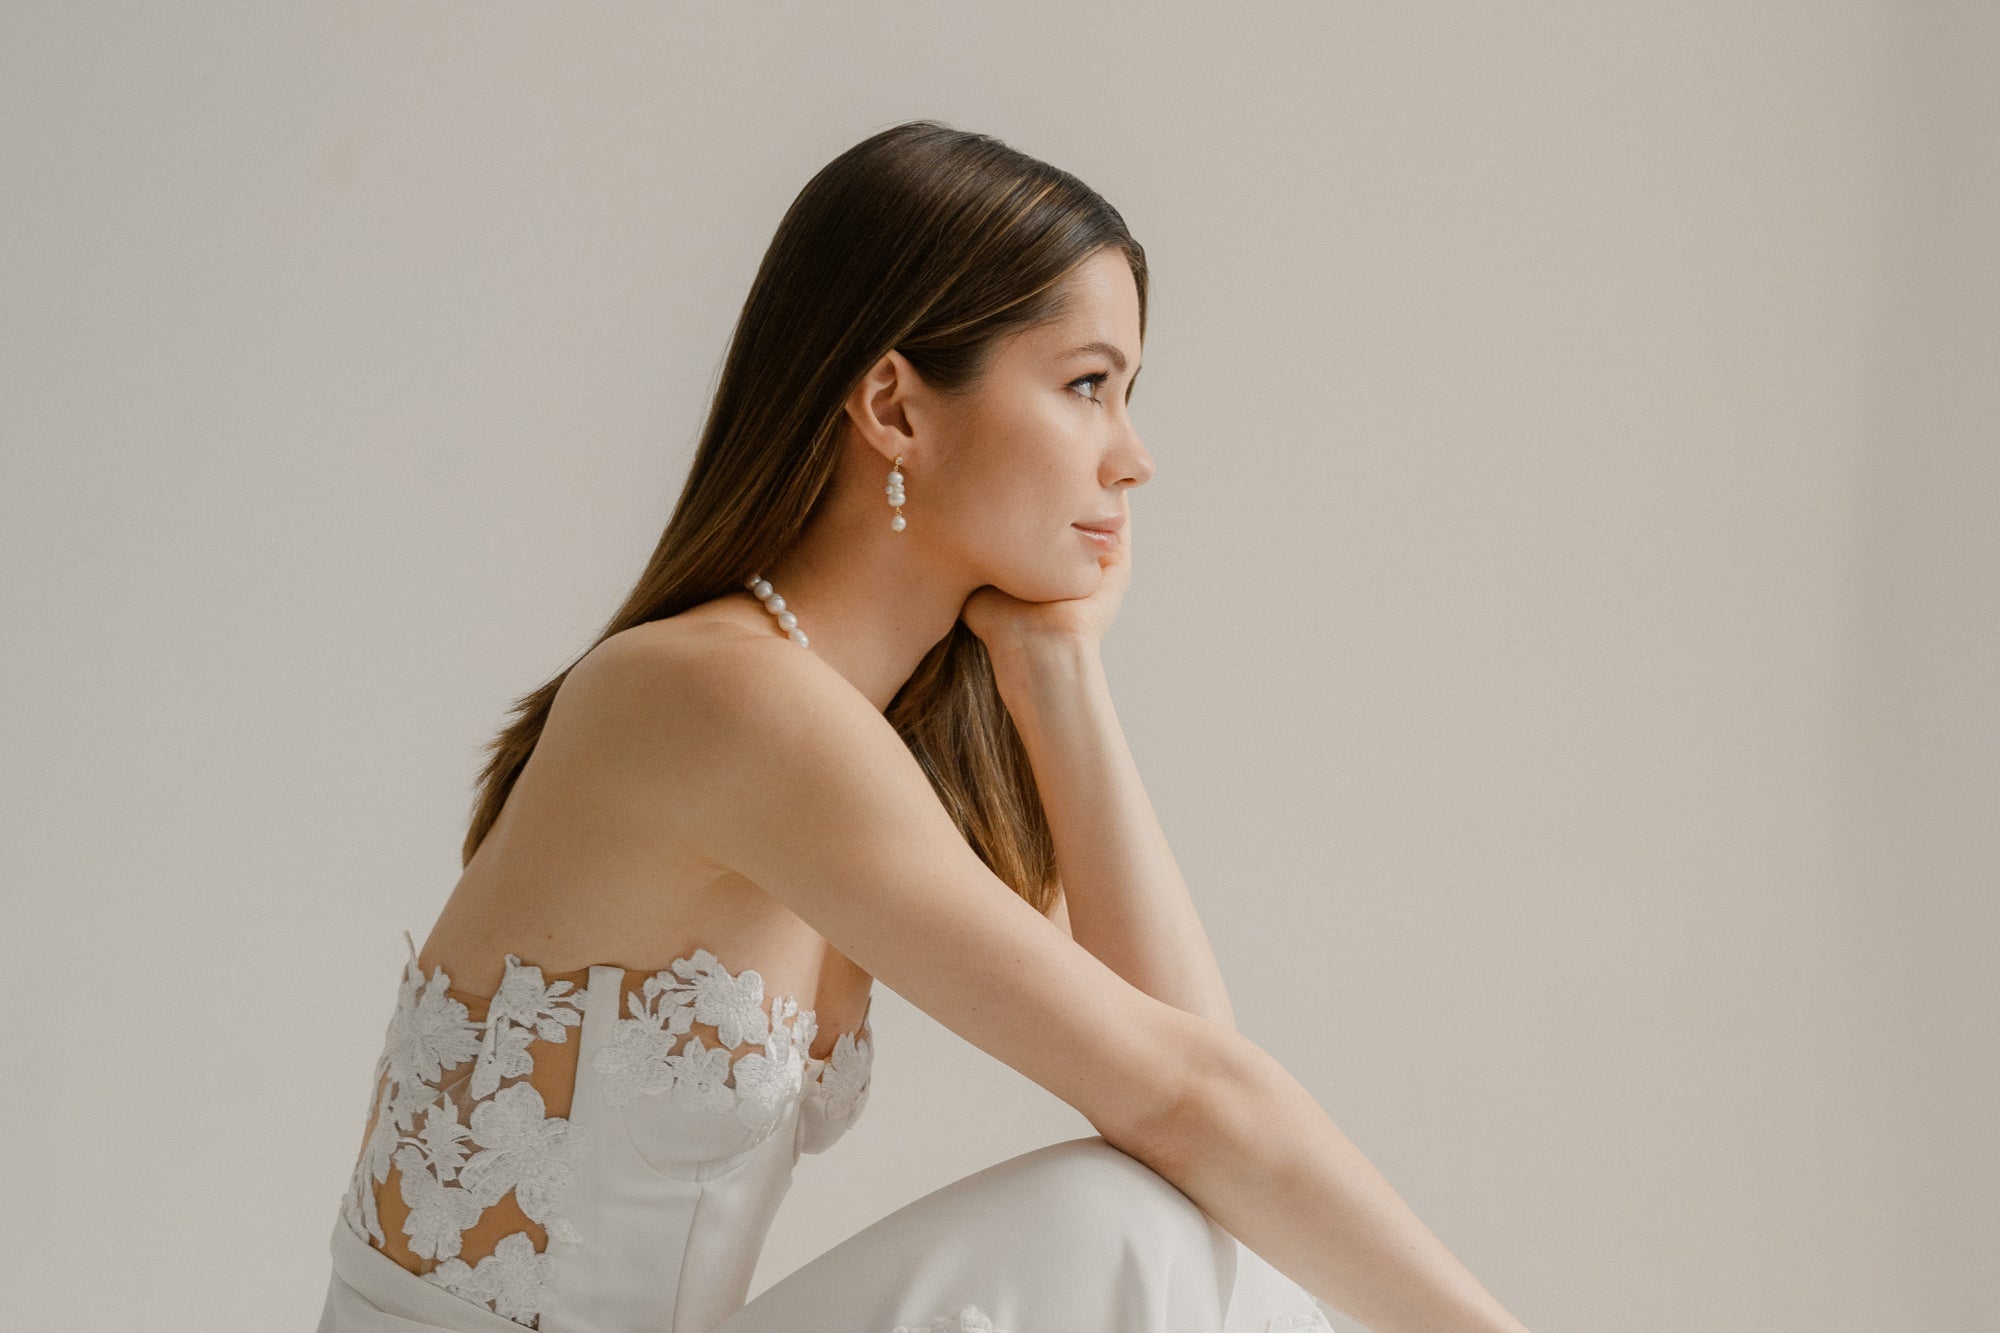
point(1006, 477)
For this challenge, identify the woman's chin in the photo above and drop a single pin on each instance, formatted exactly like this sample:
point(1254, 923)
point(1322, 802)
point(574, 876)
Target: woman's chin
point(1079, 579)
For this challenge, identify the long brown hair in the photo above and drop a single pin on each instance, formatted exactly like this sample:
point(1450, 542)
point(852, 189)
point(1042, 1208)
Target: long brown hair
point(939, 243)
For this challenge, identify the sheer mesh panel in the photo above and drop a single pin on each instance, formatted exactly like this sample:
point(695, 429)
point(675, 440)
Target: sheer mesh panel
point(467, 1149)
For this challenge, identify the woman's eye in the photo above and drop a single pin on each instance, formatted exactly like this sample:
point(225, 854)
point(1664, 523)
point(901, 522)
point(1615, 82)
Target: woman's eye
point(1098, 378)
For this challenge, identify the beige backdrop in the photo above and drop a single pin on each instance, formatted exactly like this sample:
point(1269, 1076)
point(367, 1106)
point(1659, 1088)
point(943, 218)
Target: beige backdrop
point(1563, 646)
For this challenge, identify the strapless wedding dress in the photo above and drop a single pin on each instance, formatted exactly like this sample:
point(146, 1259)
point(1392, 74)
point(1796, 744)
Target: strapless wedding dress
point(604, 1150)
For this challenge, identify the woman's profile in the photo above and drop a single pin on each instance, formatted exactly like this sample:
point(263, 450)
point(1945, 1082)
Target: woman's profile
point(851, 725)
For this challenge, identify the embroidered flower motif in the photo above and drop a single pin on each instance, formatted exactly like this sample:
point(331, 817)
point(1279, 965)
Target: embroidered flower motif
point(1308, 1320)
point(439, 1213)
point(644, 1058)
point(381, 1146)
point(376, 1156)
point(804, 1027)
point(458, 1157)
point(520, 1147)
point(734, 1005)
point(503, 1054)
point(525, 1008)
point(524, 1150)
point(408, 1098)
point(525, 1000)
point(842, 1082)
point(430, 1030)
point(703, 1072)
point(638, 1059)
point(769, 1079)
point(765, 1083)
point(443, 1139)
point(969, 1319)
point(514, 1278)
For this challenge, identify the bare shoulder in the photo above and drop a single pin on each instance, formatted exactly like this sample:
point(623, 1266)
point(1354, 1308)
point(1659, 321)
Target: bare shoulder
point(700, 685)
point(771, 766)
point(676, 711)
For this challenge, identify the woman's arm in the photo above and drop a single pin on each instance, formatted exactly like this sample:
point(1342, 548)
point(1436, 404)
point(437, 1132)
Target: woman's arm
point(1254, 1148)
point(1127, 901)
point(776, 767)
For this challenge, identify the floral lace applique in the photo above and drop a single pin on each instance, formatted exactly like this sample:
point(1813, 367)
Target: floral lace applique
point(1311, 1320)
point(454, 1112)
point(647, 1056)
point(840, 1082)
point(457, 1159)
point(969, 1319)
point(514, 1279)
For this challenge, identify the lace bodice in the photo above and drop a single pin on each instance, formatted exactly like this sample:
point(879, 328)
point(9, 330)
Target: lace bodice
point(475, 1132)
point(604, 1150)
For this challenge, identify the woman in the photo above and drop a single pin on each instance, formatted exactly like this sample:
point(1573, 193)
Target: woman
point(849, 725)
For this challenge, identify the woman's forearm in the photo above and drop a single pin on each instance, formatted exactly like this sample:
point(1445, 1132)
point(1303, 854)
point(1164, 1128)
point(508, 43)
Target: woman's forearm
point(1256, 1152)
point(1127, 901)
point(1249, 1144)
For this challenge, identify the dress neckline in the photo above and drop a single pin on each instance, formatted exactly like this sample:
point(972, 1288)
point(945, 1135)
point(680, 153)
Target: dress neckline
point(700, 968)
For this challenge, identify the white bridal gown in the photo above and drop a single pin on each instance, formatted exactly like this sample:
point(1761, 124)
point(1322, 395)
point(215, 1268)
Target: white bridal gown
point(571, 1155)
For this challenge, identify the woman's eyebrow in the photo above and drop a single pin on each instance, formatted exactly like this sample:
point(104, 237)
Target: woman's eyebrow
point(1117, 357)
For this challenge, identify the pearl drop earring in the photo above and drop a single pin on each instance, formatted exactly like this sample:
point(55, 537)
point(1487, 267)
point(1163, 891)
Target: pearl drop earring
point(895, 490)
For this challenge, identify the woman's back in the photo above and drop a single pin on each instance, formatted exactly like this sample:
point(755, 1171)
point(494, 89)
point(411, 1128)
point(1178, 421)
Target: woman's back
point(585, 865)
point(602, 1067)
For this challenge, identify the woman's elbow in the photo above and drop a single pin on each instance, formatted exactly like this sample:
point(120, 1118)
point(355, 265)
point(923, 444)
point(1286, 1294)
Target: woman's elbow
point(1209, 1081)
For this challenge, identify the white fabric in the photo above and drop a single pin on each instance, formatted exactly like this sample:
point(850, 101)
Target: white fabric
point(658, 1187)
point(1075, 1237)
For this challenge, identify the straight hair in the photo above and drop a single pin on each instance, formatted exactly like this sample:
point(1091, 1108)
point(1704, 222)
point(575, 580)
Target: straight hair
point(936, 242)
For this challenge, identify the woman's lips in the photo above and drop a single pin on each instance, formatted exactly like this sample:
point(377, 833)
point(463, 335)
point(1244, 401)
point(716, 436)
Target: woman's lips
point(1098, 535)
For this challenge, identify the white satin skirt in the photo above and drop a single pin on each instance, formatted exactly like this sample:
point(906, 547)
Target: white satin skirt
point(1076, 1237)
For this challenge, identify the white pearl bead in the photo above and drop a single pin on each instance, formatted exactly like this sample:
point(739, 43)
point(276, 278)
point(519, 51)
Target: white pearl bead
point(775, 604)
point(895, 478)
point(897, 523)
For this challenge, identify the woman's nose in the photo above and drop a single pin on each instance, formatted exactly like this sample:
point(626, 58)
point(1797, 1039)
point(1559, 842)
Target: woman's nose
point(1139, 460)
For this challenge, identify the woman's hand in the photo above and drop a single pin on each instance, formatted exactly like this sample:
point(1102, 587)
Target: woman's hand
point(1007, 625)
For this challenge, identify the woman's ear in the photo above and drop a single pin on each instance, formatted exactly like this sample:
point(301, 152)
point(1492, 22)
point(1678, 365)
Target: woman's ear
point(880, 405)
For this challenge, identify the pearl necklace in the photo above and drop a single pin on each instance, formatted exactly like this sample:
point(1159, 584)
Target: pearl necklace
point(761, 589)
